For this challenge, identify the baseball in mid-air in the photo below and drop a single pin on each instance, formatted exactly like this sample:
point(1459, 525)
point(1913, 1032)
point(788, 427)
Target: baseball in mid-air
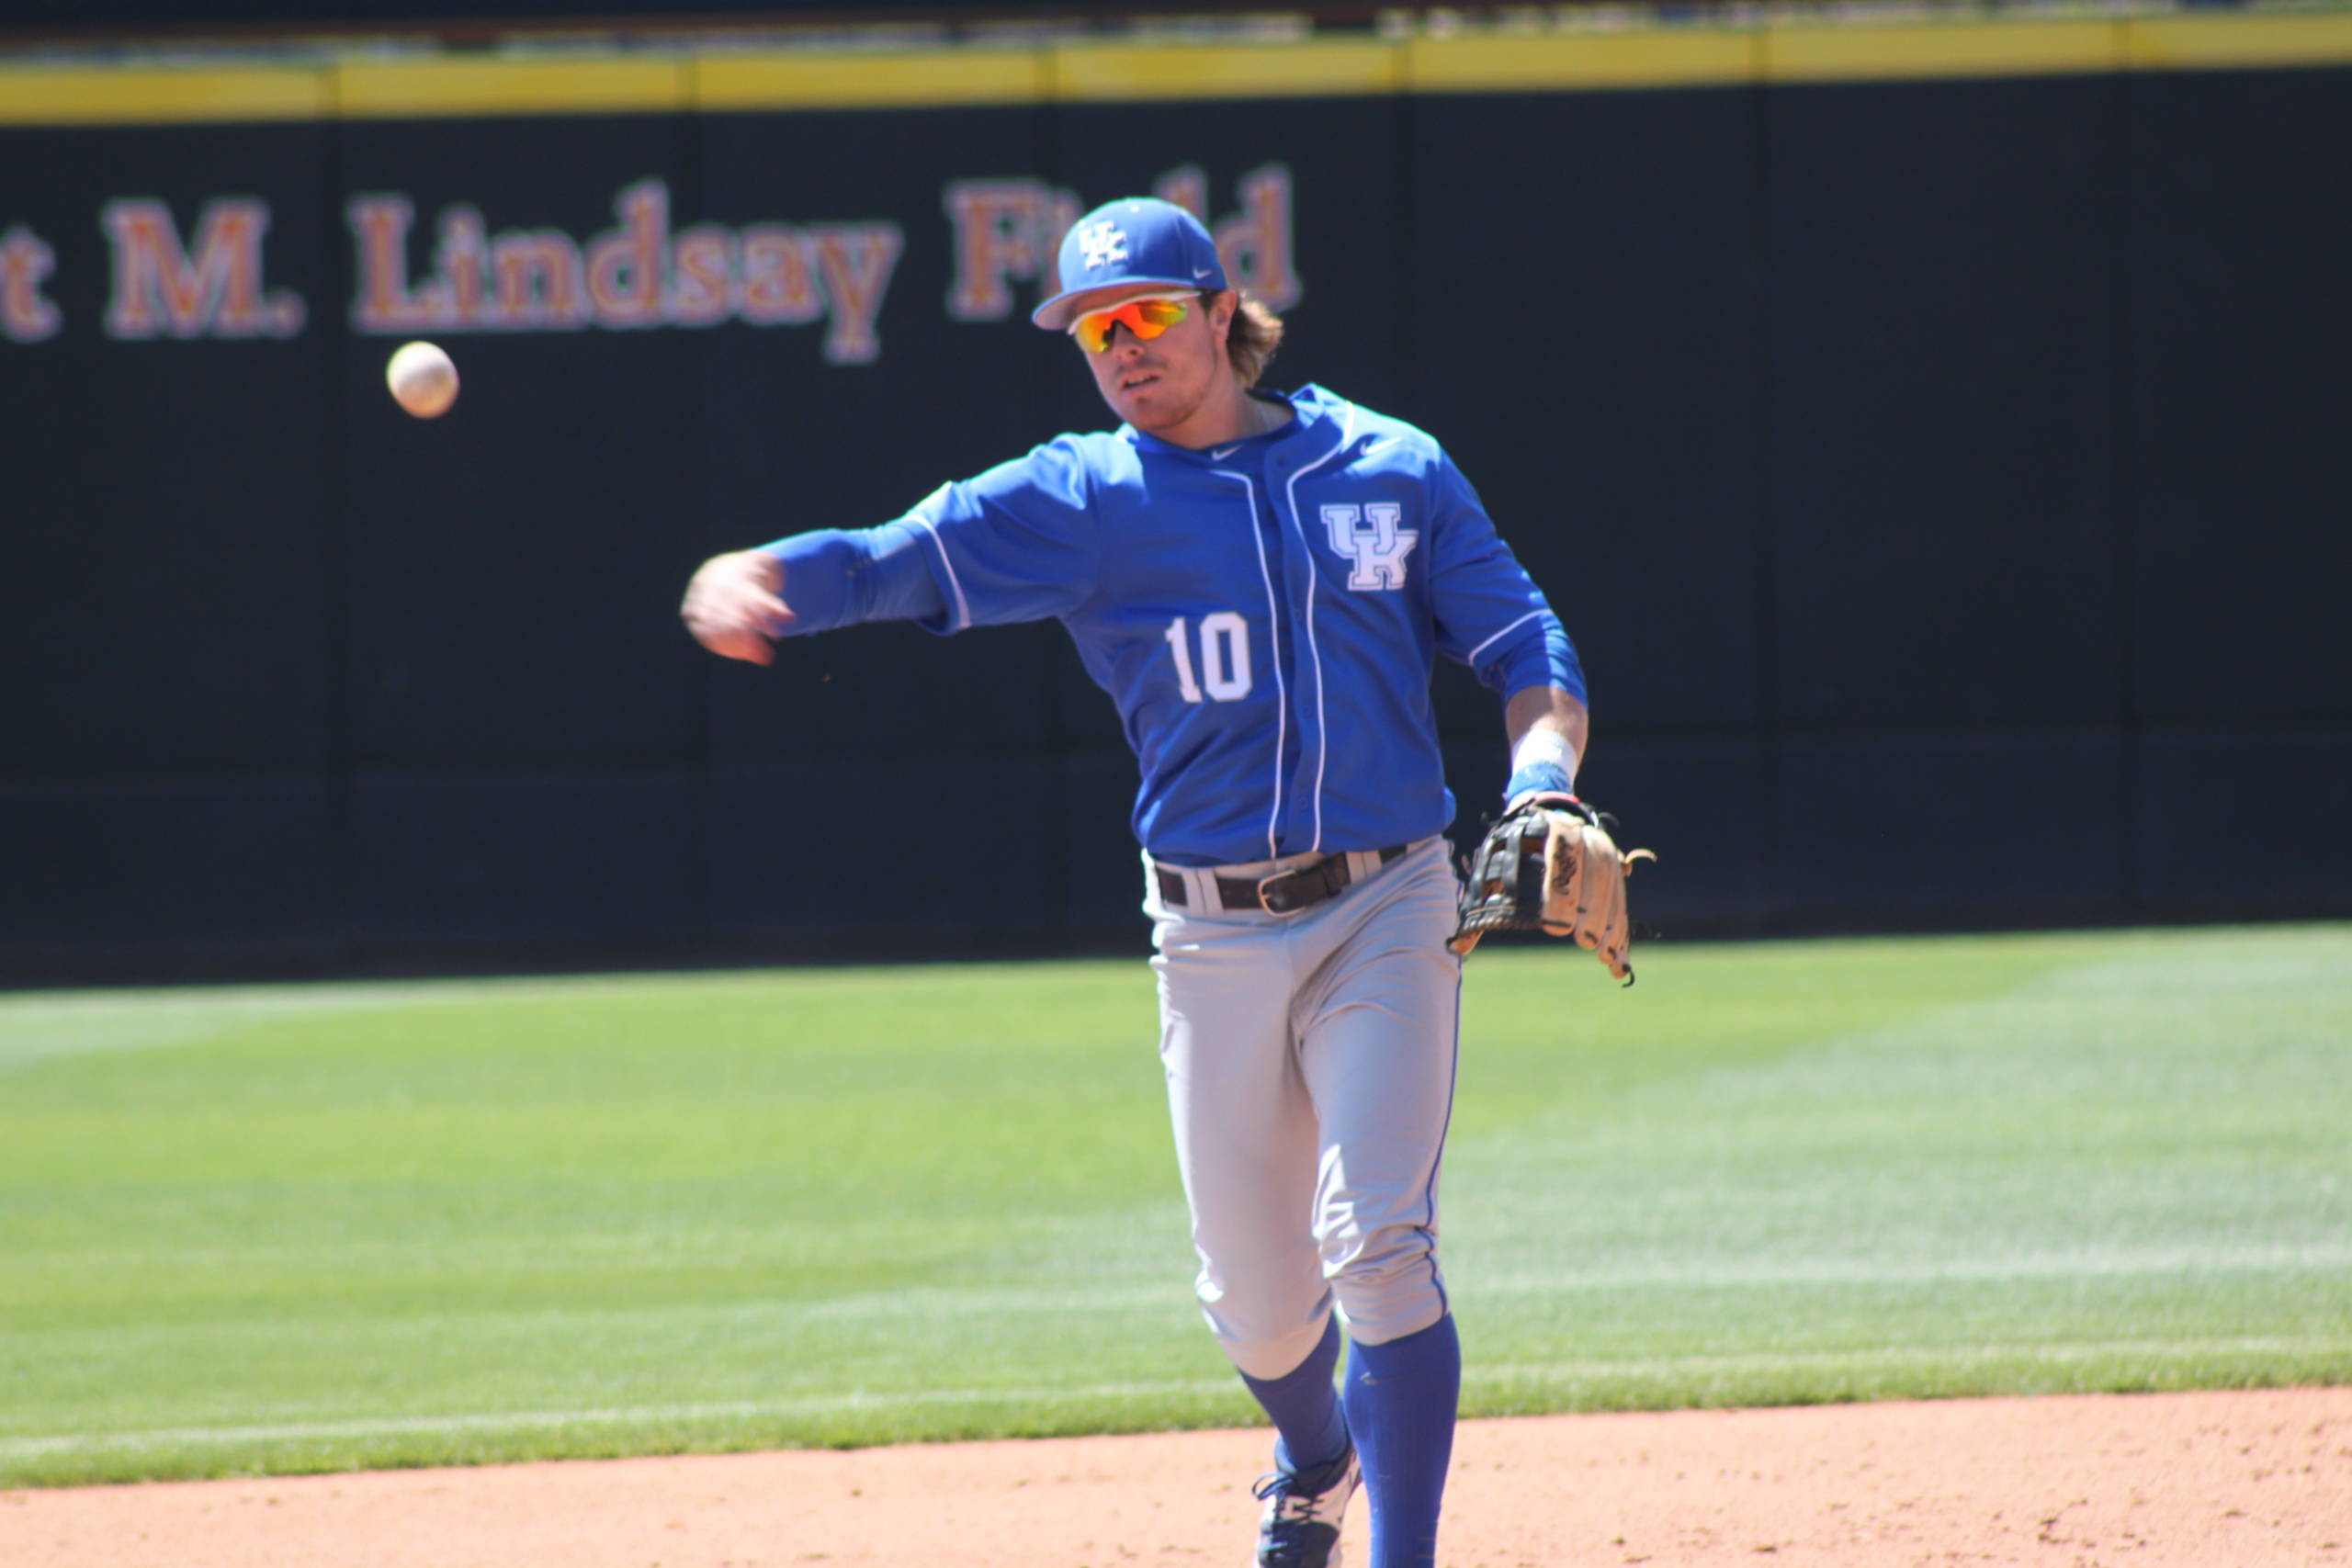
point(423, 380)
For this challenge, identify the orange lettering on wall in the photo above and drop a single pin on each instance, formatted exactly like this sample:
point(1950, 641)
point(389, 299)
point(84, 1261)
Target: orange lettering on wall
point(995, 224)
point(856, 262)
point(25, 315)
point(1187, 187)
point(1256, 242)
point(779, 275)
point(382, 302)
point(537, 275)
point(463, 258)
point(625, 265)
point(160, 290)
point(706, 294)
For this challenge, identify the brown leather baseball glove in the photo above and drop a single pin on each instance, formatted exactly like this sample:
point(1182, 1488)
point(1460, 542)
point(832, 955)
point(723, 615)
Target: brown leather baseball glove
point(1550, 865)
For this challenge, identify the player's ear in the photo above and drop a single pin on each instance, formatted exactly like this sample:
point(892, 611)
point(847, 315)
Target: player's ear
point(1223, 306)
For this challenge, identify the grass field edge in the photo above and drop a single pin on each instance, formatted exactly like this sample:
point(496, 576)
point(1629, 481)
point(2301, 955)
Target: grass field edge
point(1599, 1387)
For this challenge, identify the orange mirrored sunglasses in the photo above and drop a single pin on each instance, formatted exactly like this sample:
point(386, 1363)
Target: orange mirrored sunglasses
point(1146, 318)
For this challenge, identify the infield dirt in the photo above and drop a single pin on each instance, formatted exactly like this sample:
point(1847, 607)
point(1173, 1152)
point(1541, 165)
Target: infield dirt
point(2234, 1480)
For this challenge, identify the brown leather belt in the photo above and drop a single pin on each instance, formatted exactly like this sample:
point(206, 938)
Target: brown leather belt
point(1284, 892)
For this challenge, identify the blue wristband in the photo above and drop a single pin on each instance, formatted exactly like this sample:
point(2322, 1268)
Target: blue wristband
point(1548, 778)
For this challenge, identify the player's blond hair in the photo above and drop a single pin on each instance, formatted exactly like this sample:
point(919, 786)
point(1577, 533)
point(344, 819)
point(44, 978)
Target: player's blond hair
point(1250, 341)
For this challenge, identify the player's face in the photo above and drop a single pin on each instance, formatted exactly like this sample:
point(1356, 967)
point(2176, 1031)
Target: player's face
point(1160, 384)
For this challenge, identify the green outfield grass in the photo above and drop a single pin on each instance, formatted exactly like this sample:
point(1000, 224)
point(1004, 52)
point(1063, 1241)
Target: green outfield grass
point(328, 1226)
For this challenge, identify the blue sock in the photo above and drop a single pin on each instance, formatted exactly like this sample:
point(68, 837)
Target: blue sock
point(1401, 1402)
point(1306, 1407)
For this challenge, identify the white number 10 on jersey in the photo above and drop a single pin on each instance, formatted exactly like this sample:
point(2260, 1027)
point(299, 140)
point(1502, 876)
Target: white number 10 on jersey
point(1225, 657)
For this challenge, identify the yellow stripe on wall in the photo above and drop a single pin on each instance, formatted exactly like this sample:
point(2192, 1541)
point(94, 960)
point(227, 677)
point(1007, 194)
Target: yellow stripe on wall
point(1114, 73)
point(1658, 57)
point(1940, 48)
point(1581, 60)
point(2215, 43)
point(436, 89)
point(36, 96)
point(805, 81)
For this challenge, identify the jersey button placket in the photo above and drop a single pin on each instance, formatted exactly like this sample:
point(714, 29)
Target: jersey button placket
point(1302, 576)
point(1285, 638)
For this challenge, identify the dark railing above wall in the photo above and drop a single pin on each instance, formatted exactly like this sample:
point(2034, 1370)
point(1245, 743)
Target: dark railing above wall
point(455, 19)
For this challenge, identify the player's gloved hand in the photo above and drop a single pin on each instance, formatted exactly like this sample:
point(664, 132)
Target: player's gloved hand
point(735, 603)
point(1550, 865)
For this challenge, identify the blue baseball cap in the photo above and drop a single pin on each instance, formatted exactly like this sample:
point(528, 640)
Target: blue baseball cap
point(1139, 240)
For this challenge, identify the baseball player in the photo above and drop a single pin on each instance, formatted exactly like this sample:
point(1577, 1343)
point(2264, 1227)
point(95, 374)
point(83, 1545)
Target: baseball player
point(1261, 582)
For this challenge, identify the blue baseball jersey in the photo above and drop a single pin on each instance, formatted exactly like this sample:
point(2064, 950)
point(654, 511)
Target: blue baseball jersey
point(1263, 613)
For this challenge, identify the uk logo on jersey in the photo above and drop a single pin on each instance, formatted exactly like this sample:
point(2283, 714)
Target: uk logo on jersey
point(1103, 243)
point(1373, 539)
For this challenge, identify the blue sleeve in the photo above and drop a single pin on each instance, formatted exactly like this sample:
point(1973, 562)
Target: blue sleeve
point(833, 578)
point(1015, 544)
point(1490, 615)
point(1018, 543)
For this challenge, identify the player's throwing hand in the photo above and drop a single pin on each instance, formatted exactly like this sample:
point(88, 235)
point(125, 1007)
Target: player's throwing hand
point(735, 603)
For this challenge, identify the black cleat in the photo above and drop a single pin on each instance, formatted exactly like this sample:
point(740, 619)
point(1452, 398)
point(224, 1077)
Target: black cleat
point(1301, 1527)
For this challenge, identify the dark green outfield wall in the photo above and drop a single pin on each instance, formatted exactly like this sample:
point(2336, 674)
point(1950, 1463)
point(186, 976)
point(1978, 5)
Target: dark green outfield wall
point(1947, 482)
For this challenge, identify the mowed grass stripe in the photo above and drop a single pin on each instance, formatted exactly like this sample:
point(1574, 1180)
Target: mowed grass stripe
point(312, 1227)
point(647, 1414)
point(1489, 1377)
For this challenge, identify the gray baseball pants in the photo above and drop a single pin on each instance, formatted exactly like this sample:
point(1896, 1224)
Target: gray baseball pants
point(1310, 1063)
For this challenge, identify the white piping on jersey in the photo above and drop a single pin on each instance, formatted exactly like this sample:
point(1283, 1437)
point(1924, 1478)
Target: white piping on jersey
point(1274, 657)
point(1378, 444)
point(963, 609)
point(1322, 730)
point(1490, 642)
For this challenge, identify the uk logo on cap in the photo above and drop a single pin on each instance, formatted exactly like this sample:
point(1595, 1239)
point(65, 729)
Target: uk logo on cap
point(1103, 243)
point(1140, 240)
